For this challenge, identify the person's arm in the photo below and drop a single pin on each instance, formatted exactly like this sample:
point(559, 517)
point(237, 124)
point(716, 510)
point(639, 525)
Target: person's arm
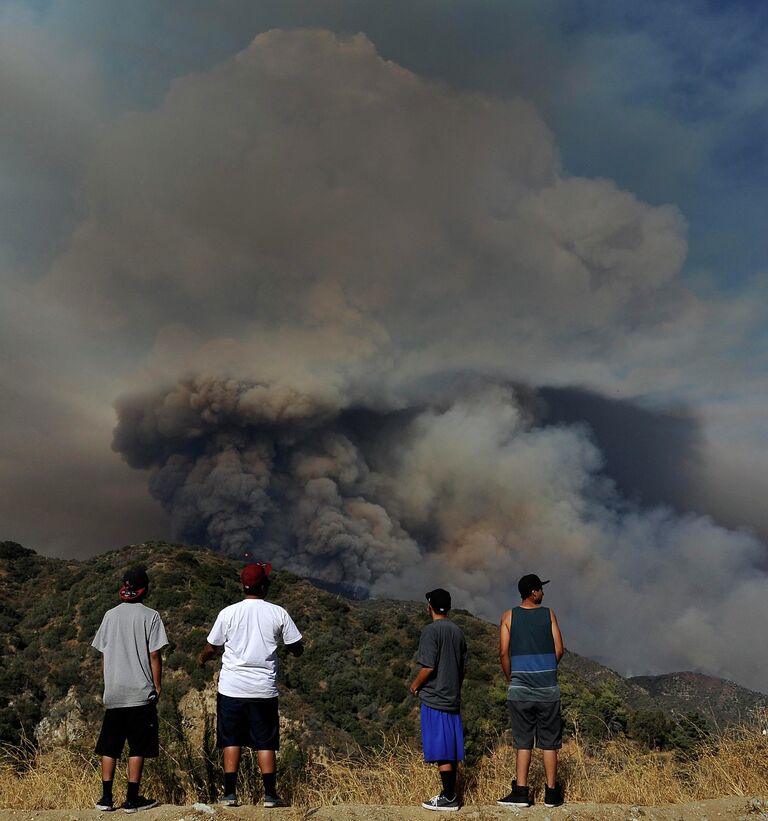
point(427, 657)
point(295, 649)
point(421, 679)
point(156, 662)
point(290, 636)
point(207, 652)
point(557, 636)
point(505, 626)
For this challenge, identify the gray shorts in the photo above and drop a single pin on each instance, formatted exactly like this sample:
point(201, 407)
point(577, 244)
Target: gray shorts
point(536, 719)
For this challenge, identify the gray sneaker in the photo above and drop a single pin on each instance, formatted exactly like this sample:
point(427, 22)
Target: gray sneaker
point(227, 800)
point(273, 801)
point(442, 804)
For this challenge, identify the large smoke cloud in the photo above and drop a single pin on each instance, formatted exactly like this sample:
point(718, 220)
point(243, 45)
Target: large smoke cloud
point(469, 493)
point(334, 271)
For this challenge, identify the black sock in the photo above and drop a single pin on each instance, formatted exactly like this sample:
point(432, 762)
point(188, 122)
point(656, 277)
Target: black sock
point(270, 783)
point(106, 791)
point(230, 783)
point(133, 791)
point(448, 777)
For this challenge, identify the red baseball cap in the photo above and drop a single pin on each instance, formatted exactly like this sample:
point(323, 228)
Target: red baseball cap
point(254, 573)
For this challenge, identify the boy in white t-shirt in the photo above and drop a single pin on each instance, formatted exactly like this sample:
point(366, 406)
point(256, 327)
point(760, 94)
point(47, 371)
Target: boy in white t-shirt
point(247, 705)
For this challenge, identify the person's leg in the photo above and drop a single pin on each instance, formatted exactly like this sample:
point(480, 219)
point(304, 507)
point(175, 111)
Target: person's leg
point(108, 766)
point(135, 769)
point(231, 756)
point(231, 719)
point(268, 765)
point(522, 766)
point(265, 737)
point(231, 759)
point(142, 733)
point(523, 727)
point(550, 739)
point(447, 770)
point(550, 767)
point(267, 761)
point(109, 746)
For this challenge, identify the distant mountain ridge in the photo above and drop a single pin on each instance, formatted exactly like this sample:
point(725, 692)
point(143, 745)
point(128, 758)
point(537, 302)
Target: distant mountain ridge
point(717, 699)
point(721, 701)
point(350, 685)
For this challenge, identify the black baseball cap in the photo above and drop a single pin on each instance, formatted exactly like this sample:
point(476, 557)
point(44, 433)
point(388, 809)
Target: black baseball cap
point(529, 583)
point(135, 584)
point(439, 600)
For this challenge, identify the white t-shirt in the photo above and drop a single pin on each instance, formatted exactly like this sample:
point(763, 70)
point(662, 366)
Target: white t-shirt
point(250, 632)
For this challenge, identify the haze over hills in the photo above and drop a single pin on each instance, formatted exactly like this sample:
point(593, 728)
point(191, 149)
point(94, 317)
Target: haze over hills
point(349, 686)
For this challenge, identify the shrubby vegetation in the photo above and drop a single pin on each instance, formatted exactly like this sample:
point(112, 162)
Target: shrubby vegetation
point(349, 687)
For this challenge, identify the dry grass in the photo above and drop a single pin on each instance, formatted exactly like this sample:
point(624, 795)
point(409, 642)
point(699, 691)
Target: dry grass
point(61, 779)
point(617, 771)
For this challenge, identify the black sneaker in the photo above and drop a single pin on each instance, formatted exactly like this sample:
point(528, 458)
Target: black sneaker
point(519, 797)
point(272, 801)
point(105, 805)
point(441, 803)
point(553, 796)
point(141, 803)
point(229, 800)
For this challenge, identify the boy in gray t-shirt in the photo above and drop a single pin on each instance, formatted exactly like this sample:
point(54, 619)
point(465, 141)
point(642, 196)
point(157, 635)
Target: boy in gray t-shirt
point(442, 657)
point(130, 639)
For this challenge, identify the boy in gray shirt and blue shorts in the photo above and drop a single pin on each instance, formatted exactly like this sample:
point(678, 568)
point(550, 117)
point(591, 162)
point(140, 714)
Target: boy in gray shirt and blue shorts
point(442, 656)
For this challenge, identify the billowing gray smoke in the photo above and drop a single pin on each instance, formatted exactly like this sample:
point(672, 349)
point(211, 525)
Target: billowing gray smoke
point(469, 493)
point(317, 235)
point(255, 467)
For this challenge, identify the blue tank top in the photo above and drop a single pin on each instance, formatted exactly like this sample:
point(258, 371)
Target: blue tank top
point(532, 656)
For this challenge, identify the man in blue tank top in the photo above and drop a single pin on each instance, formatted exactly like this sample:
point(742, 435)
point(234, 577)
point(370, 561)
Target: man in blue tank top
point(530, 648)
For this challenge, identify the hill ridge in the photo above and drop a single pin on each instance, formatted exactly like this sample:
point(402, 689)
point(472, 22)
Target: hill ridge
point(350, 686)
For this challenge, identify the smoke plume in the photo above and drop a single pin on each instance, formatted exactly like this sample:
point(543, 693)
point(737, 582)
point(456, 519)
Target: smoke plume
point(357, 302)
point(469, 493)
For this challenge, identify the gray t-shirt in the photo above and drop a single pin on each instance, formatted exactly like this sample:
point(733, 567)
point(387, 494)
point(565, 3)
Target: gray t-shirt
point(442, 647)
point(127, 635)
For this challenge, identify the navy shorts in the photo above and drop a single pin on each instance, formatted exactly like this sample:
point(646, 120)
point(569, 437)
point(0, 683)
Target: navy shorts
point(247, 722)
point(442, 735)
point(136, 725)
point(536, 719)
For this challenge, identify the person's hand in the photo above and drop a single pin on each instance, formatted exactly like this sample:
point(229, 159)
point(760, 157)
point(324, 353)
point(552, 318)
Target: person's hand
point(413, 691)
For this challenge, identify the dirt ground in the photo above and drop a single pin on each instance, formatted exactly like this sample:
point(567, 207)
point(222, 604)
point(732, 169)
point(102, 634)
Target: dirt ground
point(737, 808)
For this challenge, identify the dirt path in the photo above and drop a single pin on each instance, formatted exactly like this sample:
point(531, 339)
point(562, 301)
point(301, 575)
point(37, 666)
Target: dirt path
point(738, 809)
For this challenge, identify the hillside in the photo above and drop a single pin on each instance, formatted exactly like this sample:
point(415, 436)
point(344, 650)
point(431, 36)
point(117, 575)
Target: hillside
point(349, 686)
point(720, 701)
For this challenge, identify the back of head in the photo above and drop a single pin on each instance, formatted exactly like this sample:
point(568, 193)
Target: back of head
point(529, 583)
point(255, 578)
point(135, 585)
point(439, 600)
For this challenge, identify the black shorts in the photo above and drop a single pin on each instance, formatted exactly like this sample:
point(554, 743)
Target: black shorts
point(539, 719)
point(247, 722)
point(136, 725)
